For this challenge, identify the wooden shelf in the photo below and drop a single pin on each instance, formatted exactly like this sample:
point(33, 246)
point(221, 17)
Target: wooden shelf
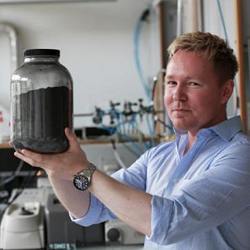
point(86, 141)
point(5, 145)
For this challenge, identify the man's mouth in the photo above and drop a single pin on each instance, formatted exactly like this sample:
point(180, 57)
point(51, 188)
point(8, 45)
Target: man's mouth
point(180, 110)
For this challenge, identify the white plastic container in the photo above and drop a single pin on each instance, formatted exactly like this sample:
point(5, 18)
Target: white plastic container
point(4, 125)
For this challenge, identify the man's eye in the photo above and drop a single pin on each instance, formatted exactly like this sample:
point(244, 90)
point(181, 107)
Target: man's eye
point(170, 83)
point(194, 84)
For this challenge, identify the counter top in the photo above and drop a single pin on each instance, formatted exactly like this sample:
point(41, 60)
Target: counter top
point(107, 247)
point(133, 247)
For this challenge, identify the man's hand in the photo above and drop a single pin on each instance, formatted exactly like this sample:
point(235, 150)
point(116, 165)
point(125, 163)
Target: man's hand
point(61, 165)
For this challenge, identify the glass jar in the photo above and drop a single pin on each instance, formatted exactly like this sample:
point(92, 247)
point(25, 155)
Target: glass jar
point(41, 102)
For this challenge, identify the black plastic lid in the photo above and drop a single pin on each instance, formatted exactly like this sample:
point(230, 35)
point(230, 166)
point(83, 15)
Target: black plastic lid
point(42, 52)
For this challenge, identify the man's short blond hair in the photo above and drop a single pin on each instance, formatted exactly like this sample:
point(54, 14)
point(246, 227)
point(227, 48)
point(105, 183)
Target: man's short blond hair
point(214, 48)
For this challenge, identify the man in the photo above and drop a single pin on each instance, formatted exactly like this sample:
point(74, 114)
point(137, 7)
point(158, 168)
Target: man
point(192, 193)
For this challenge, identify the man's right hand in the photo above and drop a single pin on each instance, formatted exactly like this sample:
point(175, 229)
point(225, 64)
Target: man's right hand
point(62, 165)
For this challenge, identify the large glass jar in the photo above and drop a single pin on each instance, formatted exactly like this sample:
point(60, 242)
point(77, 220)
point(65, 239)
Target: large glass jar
point(41, 102)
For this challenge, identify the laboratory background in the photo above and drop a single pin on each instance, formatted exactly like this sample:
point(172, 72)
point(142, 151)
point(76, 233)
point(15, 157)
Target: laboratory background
point(116, 53)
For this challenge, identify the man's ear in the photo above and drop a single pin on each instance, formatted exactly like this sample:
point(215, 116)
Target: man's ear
point(227, 91)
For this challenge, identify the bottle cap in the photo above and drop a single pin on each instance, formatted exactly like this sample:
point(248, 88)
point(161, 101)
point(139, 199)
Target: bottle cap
point(42, 52)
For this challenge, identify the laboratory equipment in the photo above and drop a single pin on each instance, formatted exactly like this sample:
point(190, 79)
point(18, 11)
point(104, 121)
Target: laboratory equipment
point(37, 220)
point(22, 227)
point(117, 231)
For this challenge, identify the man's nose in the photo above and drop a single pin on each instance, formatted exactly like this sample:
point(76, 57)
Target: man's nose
point(179, 93)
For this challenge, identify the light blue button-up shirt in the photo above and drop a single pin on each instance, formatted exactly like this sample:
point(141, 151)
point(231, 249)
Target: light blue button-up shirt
point(200, 199)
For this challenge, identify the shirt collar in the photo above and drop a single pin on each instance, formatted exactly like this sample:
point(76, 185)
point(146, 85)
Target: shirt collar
point(226, 129)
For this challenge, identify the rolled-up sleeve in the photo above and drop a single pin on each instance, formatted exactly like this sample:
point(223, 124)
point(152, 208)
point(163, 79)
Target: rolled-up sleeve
point(160, 218)
point(206, 200)
point(97, 213)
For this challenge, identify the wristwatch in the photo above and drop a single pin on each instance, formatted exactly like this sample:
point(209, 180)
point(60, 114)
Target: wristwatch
point(82, 179)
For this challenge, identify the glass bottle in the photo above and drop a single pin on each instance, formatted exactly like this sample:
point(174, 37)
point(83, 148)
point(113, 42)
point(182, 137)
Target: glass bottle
point(41, 102)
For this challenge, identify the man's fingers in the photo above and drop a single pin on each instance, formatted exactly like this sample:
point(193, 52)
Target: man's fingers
point(71, 137)
point(39, 158)
point(26, 159)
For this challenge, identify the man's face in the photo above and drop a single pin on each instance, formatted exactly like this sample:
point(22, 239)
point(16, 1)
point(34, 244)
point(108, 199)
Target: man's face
point(194, 96)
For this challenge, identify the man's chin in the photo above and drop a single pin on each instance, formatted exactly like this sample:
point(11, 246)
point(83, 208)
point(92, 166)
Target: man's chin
point(180, 127)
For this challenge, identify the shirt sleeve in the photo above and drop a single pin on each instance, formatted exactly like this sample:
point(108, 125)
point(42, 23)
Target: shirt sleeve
point(205, 201)
point(134, 176)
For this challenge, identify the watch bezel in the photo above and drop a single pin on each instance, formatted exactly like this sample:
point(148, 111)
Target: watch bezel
point(82, 179)
point(81, 182)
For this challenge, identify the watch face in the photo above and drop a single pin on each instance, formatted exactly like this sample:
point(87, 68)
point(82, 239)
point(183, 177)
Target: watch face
point(81, 182)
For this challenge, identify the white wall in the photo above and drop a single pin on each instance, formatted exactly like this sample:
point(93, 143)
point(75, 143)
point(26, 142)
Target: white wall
point(213, 23)
point(96, 43)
